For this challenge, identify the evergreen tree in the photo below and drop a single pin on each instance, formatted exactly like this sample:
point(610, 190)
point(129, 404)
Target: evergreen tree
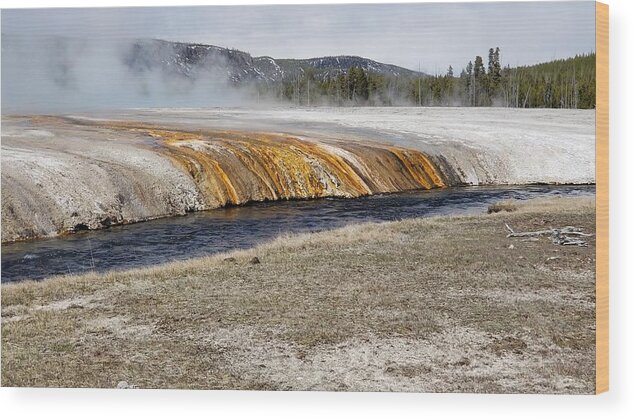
point(494, 73)
point(491, 61)
point(479, 82)
point(497, 68)
point(342, 88)
point(362, 86)
point(470, 84)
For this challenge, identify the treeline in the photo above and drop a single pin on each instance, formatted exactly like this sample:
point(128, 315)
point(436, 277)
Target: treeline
point(568, 83)
point(354, 87)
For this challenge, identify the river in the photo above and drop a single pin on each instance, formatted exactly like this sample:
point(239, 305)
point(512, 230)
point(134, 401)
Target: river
point(219, 230)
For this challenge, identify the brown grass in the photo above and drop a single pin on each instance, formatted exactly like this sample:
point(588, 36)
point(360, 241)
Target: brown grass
point(440, 304)
point(507, 206)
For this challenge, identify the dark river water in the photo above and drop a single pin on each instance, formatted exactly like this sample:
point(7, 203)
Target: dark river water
point(214, 231)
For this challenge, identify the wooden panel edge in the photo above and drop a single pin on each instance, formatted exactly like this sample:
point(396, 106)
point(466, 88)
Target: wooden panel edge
point(602, 198)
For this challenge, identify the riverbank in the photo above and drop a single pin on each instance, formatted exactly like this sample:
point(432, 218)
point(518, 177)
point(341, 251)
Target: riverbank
point(64, 174)
point(88, 175)
point(439, 304)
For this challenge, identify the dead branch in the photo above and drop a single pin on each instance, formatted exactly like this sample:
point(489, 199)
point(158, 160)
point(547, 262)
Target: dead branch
point(514, 234)
point(561, 236)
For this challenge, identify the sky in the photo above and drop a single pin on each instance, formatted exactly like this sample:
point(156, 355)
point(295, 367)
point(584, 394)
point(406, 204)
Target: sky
point(430, 35)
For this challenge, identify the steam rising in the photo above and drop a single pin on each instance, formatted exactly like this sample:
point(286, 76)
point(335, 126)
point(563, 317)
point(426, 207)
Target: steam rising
point(61, 74)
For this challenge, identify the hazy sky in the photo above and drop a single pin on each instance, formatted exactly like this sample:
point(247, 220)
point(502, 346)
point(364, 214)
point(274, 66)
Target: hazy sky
point(434, 35)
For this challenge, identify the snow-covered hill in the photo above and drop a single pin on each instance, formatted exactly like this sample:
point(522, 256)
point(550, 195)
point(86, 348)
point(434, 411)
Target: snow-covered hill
point(194, 60)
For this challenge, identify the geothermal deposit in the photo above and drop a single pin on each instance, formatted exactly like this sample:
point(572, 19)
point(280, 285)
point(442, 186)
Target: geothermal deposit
point(71, 173)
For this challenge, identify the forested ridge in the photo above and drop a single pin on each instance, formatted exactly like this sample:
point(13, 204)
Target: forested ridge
point(563, 83)
point(346, 80)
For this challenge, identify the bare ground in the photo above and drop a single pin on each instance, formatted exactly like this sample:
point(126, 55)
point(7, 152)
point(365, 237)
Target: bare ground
point(427, 305)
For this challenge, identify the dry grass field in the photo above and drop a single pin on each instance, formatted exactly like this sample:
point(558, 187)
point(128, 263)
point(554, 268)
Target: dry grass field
point(429, 305)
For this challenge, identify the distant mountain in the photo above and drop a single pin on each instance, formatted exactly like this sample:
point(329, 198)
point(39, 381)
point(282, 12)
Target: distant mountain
point(193, 60)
